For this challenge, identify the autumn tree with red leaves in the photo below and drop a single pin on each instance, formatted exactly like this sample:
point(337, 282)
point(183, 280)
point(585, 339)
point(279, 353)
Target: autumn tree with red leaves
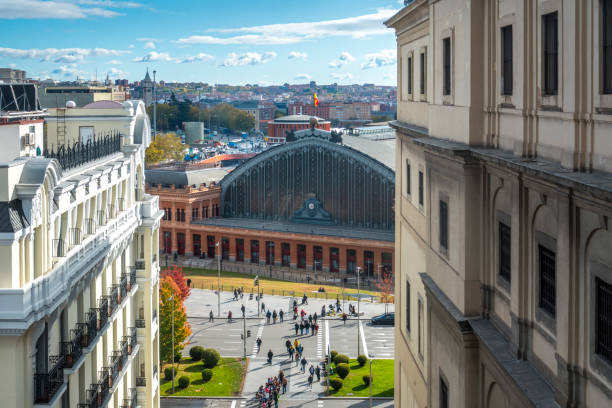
point(176, 274)
point(386, 286)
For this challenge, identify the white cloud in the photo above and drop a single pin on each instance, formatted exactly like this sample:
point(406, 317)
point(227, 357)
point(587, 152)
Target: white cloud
point(389, 76)
point(290, 33)
point(114, 62)
point(131, 46)
point(248, 58)
point(59, 55)
point(150, 45)
point(62, 9)
point(154, 56)
point(196, 58)
point(116, 73)
point(69, 70)
point(12, 65)
point(380, 59)
point(298, 55)
point(341, 77)
point(344, 58)
point(304, 77)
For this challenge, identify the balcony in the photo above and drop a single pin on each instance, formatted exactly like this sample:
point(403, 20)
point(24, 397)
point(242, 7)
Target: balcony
point(123, 286)
point(102, 312)
point(140, 264)
point(132, 277)
point(75, 237)
point(102, 218)
point(140, 323)
point(59, 248)
point(48, 384)
point(73, 350)
point(132, 401)
point(104, 385)
point(82, 153)
point(121, 204)
point(112, 211)
point(90, 226)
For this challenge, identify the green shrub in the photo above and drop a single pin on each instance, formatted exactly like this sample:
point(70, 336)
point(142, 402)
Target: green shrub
point(341, 359)
point(366, 379)
point(210, 357)
point(196, 353)
point(336, 383)
point(343, 370)
point(207, 374)
point(178, 357)
point(333, 353)
point(168, 373)
point(183, 381)
point(361, 359)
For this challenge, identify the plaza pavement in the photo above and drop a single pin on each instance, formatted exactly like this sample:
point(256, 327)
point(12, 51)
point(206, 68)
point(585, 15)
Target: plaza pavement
point(349, 338)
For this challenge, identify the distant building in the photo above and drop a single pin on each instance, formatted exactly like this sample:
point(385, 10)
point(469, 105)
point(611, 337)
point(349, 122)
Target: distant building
point(278, 128)
point(250, 107)
point(301, 108)
point(147, 89)
point(21, 121)
point(56, 96)
point(350, 111)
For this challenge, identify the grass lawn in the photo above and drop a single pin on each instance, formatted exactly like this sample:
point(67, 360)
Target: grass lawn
point(226, 381)
point(207, 279)
point(382, 385)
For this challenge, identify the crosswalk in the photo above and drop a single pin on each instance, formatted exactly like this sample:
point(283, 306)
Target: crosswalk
point(320, 342)
point(259, 333)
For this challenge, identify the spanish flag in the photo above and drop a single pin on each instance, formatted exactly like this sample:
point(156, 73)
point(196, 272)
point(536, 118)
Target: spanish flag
point(316, 100)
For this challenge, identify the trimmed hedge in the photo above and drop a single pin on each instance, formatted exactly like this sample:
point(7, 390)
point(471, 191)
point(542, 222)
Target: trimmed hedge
point(366, 379)
point(210, 357)
point(168, 373)
point(333, 353)
point(196, 353)
point(336, 383)
point(207, 374)
point(343, 370)
point(361, 359)
point(341, 359)
point(183, 381)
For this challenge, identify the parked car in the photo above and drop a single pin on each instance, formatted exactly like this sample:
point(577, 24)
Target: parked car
point(385, 319)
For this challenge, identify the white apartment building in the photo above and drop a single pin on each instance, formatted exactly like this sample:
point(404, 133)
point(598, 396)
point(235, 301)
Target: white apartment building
point(503, 203)
point(79, 278)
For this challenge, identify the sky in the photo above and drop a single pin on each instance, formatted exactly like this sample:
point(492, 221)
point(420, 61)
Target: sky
point(261, 42)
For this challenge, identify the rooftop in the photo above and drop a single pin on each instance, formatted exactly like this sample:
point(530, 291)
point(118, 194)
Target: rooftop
point(181, 178)
point(381, 150)
point(299, 118)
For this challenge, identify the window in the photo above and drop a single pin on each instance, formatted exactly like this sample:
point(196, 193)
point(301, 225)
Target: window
point(421, 188)
point(408, 307)
point(420, 328)
point(408, 192)
point(548, 290)
point(550, 50)
point(443, 225)
point(446, 63)
point(443, 393)
point(504, 251)
point(506, 45)
point(603, 328)
point(606, 49)
point(423, 71)
point(409, 73)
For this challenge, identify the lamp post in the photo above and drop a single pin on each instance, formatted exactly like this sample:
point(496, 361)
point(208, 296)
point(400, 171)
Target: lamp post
point(154, 110)
point(371, 356)
point(172, 299)
point(244, 332)
point(218, 281)
point(358, 303)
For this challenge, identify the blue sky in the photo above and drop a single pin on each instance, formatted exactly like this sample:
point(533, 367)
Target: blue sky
point(235, 42)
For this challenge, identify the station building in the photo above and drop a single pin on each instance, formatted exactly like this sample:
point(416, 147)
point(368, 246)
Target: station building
point(309, 205)
point(278, 128)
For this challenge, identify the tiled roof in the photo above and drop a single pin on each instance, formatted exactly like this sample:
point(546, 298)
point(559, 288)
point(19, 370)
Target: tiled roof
point(12, 217)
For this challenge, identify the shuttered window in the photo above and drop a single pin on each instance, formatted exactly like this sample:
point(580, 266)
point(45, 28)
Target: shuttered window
point(548, 283)
point(550, 55)
point(506, 39)
point(606, 38)
point(446, 62)
point(603, 336)
point(504, 251)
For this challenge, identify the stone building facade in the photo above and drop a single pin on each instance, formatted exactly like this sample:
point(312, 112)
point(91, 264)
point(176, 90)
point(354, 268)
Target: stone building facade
point(503, 199)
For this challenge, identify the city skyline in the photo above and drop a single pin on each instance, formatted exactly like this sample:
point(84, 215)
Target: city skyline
point(263, 44)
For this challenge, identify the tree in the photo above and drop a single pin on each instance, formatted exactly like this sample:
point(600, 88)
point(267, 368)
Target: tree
point(165, 147)
point(278, 114)
point(336, 137)
point(176, 274)
point(386, 286)
point(290, 136)
point(379, 118)
point(168, 288)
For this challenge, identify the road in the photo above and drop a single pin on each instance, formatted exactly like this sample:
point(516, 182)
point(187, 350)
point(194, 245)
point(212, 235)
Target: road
point(242, 403)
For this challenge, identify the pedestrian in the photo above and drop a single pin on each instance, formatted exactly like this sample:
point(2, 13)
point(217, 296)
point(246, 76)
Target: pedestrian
point(318, 372)
point(268, 315)
point(281, 314)
point(310, 381)
point(288, 344)
point(284, 382)
point(274, 315)
point(317, 328)
point(243, 310)
point(344, 317)
point(307, 326)
point(301, 348)
point(229, 316)
point(275, 399)
point(310, 319)
point(270, 355)
point(258, 344)
point(263, 307)
point(315, 317)
point(297, 357)
point(303, 362)
point(211, 317)
point(312, 329)
point(311, 370)
point(291, 351)
point(301, 328)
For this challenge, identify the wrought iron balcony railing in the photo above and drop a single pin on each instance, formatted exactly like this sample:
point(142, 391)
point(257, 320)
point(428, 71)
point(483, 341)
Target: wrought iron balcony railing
point(123, 286)
point(75, 236)
point(141, 381)
point(70, 156)
point(47, 384)
point(59, 248)
point(102, 217)
point(140, 323)
point(113, 299)
point(104, 385)
point(89, 226)
point(103, 312)
point(91, 397)
point(132, 277)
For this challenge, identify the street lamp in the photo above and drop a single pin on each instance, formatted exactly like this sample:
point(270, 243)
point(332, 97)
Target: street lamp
point(371, 357)
point(358, 303)
point(173, 373)
point(218, 281)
